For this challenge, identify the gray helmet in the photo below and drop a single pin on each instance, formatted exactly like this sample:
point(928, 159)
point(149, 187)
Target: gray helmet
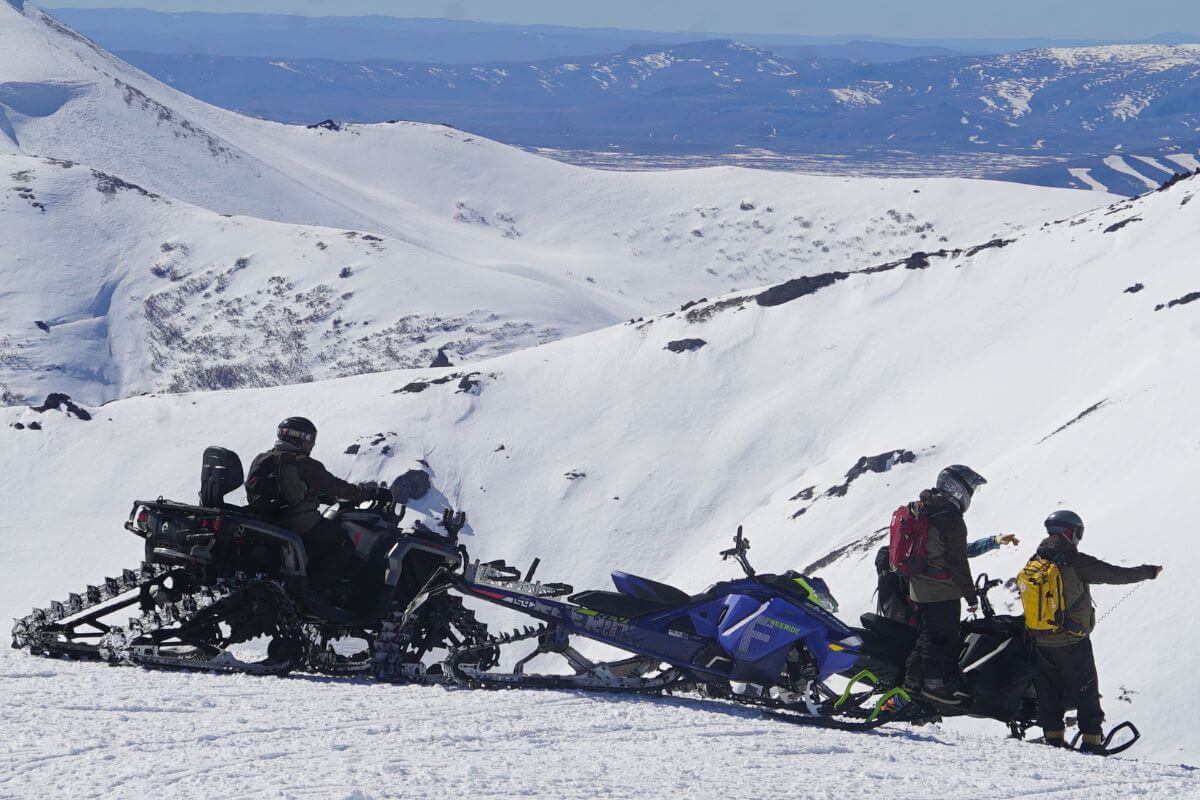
point(1065, 523)
point(959, 484)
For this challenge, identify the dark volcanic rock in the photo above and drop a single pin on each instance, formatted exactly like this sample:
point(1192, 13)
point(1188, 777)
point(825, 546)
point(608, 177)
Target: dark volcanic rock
point(880, 463)
point(705, 313)
point(412, 485)
point(1191, 297)
point(328, 125)
point(1137, 287)
point(61, 402)
point(683, 345)
point(1116, 226)
point(799, 287)
point(1086, 412)
point(442, 360)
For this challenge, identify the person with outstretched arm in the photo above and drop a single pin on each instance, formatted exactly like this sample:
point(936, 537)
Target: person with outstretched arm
point(1066, 665)
point(891, 590)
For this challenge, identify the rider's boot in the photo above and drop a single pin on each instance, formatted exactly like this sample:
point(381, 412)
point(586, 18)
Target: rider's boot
point(939, 691)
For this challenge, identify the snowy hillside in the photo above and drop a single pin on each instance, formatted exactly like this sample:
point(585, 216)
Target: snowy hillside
point(445, 239)
point(112, 291)
point(1055, 361)
point(146, 293)
point(78, 730)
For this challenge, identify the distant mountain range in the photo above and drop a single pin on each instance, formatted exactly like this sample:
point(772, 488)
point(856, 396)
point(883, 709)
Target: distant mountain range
point(1050, 113)
point(452, 41)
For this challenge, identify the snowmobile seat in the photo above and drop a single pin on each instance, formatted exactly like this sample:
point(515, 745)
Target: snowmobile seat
point(220, 474)
point(615, 603)
point(648, 590)
point(889, 629)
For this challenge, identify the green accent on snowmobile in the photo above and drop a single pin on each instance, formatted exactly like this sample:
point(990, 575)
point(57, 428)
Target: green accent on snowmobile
point(865, 676)
point(897, 692)
point(587, 611)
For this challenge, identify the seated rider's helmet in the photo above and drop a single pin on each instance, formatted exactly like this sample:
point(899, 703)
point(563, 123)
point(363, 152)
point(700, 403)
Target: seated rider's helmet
point(959, 484)
point(1067, 524)
point(298, 431)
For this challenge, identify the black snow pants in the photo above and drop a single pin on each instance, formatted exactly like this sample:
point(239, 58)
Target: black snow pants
point(935, 655)
point(1066, 677)
point(329, 553)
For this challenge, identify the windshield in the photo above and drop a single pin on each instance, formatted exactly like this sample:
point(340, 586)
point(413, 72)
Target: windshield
point(817, 592)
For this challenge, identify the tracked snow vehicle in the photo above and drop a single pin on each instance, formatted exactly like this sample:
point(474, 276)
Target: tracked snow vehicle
point(222, 589)
point(996, 661)
point(764, 640)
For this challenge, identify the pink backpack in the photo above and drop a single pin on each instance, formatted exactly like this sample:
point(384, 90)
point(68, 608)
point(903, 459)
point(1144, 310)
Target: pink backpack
point(910, 529)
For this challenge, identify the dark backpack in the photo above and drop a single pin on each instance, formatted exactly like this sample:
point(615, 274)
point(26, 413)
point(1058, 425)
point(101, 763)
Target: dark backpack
point(264, 495)
point(907, 545)
point(892, 589)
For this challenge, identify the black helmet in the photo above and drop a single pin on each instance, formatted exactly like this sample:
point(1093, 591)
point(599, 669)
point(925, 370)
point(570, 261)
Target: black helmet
point(1065, 523)
point(298, 431)
point(959, 484)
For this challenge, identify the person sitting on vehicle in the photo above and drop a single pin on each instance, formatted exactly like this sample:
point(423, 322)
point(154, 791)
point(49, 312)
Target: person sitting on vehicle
point(937, 591)
point(1066, 666)
point(288, 485)
point(891, 591)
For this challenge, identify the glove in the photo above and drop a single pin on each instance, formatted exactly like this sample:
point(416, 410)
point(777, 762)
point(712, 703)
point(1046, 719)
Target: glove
point(384, 496)
point(1007, 538)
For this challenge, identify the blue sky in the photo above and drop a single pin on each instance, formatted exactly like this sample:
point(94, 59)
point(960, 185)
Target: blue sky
point(887, 18)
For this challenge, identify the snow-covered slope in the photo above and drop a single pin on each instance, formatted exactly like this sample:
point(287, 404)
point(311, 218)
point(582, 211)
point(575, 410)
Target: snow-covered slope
point(1057, 361)
point(138, 292)
point(111, 290)
point(447, 239)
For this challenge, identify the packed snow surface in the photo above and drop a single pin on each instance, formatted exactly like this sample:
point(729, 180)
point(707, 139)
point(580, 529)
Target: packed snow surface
point(77, 730)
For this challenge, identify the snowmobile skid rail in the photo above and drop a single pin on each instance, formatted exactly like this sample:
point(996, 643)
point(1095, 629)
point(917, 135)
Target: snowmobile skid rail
point(643, 672)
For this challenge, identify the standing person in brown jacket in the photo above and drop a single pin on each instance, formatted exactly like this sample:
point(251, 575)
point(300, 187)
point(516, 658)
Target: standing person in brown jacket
point(931, 669)
point(1066, 666)
point(288, 485)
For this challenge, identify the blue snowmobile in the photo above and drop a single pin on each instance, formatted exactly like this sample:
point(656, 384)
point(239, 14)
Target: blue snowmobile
point(766, 640)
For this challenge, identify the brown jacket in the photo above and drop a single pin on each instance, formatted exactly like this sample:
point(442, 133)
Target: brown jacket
point(949, 576)
point(305, 484)
point(1079, 571)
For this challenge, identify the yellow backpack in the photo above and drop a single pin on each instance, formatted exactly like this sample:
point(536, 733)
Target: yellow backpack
point(1042, 596)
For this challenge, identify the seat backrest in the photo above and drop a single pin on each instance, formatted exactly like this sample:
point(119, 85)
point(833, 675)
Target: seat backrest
point(646, 589)
point(220, 474)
